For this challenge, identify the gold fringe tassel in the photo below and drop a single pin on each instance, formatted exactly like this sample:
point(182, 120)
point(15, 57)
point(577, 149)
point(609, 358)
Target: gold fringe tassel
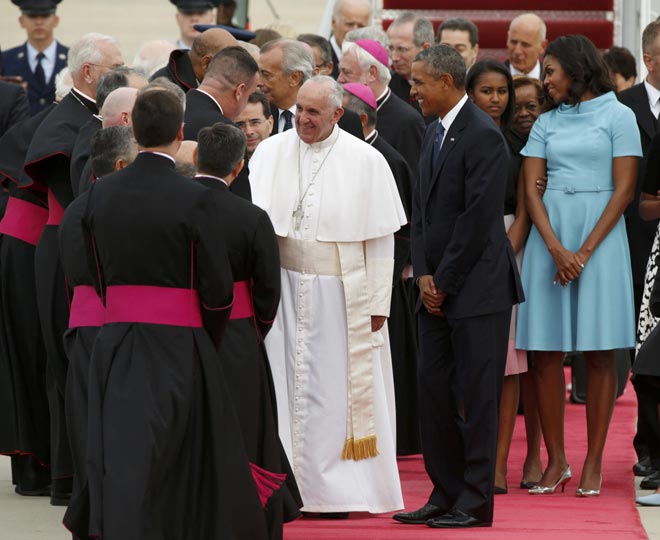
point(361, 449)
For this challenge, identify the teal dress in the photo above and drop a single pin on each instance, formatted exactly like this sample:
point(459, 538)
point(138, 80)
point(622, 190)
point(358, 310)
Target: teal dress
point(596, 311)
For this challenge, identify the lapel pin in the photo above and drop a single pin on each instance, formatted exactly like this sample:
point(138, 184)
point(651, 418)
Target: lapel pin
point(62, 56)
point(21, 55)
point(452, 139)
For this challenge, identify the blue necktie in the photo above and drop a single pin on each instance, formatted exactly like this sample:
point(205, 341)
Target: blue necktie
point(288, 115)
point(437, 142)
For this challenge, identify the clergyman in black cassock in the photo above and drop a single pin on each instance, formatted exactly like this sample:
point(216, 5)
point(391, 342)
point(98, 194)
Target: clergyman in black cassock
point(468, 281)
point(24, 416)
point(165, 454)
point(48, 165)
point(254, 257)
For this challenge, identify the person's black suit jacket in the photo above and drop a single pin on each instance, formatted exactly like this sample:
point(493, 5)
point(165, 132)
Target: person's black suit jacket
point(458, 233)
point(335, 64)
point(179, 70)
point(82, 152)
point(401, 126)
point(348, 122)
point(401, 87)
point(15, 62)
point(14, 105)
point(640, 232)
point(201, 112)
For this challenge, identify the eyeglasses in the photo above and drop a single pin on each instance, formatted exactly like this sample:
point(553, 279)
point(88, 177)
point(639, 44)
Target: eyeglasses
point(115, 66)
point(400, 50)
point(254, 123)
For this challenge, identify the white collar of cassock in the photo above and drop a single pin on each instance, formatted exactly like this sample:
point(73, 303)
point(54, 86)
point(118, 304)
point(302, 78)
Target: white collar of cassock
point(325, 143)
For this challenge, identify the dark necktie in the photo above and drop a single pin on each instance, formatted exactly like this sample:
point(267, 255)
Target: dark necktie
point(39, 73)
point(288, 117)
point(437, 142)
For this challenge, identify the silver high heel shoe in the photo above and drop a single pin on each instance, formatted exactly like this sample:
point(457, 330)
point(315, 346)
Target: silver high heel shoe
point(547, 490)
point(579, 492)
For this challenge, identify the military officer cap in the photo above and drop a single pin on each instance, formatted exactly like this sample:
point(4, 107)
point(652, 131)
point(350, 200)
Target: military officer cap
point(37, 8)
point(194, 6)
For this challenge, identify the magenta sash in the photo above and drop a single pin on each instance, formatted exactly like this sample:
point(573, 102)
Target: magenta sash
point(152, 305)
point(86, 308)
point(55, 210)
point(23, 220)
point(242, 307)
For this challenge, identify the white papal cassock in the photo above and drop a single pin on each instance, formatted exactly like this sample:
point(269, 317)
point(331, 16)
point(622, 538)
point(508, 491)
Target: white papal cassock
point(350, 210)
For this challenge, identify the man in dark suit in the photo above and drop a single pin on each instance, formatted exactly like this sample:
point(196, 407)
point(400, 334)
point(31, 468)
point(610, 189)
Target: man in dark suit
point(14, 105)
point(41, 57)
point(285, 64)
point(526, 42)
point(347, 15)
point(466, 272)
point(231, 77)
point(643, 99)
point(187, 67)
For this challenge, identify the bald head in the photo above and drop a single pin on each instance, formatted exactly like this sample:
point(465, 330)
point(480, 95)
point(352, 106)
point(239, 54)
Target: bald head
point(526, 41)
point(206, 46)
point(118, 107)
point(184, 158)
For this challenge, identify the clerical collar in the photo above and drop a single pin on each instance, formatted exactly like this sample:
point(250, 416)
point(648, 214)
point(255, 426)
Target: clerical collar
point(201, 175)
point(371, 137)
point(327, 142)
point(214, 100)
point(82, 94)
point(380, 100)
point(84, 100)
point(161, 154)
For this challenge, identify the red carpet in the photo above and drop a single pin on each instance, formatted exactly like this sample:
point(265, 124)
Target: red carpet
point(519, 515)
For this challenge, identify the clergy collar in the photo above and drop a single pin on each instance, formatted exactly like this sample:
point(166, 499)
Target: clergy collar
point(380, 100)
point(82, 94)
point(212, 98)
point(86, 101)
point(371, 138)
point(161, 154)
point(325, 143)
point(202, 175)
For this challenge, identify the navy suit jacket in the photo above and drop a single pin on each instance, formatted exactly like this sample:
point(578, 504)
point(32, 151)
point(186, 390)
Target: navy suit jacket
point(15, 62)
point(458, 233)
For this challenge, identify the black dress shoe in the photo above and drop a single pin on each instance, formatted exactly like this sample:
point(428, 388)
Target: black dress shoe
point(420, 516)
point(497, 490)
point(643, 467)
point(333, 515)
point(652, 481)
point(456, 519)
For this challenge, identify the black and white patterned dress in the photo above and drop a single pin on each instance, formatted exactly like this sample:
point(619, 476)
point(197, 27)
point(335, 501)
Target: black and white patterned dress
point(647, 321)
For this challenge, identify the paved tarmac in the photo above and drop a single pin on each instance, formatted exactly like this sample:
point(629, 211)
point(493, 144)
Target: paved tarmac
point(133, 22)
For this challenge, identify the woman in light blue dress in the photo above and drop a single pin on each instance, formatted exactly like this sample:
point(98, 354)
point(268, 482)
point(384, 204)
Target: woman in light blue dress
point(576, 269)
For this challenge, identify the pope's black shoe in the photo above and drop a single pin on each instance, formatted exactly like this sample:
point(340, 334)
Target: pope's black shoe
point(456, 519)
point(652, 481)
point(420, 516)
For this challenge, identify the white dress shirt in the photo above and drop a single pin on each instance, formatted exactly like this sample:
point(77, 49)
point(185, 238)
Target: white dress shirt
point(654, 98)
point(534, 74)
point(449, 118)
point(281, 120)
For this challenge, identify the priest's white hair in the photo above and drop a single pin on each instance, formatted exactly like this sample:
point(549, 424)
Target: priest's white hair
point(368, 32)
point(86, 51)
point(366, 60)
point(335, 90)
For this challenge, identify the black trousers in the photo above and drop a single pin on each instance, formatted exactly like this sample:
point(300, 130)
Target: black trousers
point(461, 369)
point(647, 388)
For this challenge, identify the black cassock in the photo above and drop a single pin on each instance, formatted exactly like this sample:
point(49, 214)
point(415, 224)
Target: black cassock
point(24, 415)
point(401, 323)
point(85, 319)
point(401, 87)
point(402, 126)
point(255, 263)
point(179, 70)
point(48, 163)
point(166, 457)
point(201, 112)
point(82, 151)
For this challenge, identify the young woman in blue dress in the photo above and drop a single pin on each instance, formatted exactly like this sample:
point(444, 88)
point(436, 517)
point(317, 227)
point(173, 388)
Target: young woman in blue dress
point(576, 270)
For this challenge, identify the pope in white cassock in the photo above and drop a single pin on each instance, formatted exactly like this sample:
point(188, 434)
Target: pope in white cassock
point(334, 206)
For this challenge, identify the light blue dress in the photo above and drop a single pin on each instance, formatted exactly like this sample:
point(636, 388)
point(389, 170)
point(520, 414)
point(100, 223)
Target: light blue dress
point(596, 311)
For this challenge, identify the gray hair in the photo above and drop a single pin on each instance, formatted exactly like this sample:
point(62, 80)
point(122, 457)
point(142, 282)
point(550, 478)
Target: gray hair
point(543, 29)
point(340, 4)
point(86, 51)
point(165, 84)
point(109, 145)
point(335, 90)
point(422, 27)
point(63, 84)
point(296, 55)
point(649, 36)
point(368, 32)
point(152, 56)
point(366, 60)
point(359, 107)
point(441, 59)
point(113, 79)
